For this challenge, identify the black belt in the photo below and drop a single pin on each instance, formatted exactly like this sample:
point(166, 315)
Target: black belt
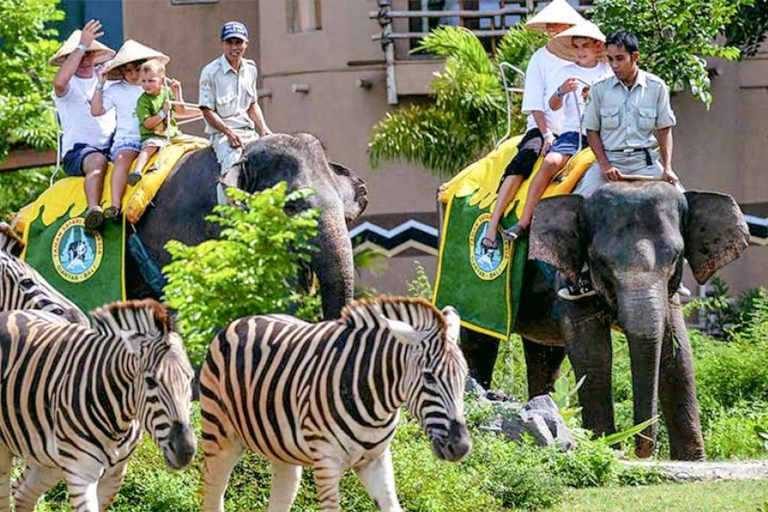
point(647, 151)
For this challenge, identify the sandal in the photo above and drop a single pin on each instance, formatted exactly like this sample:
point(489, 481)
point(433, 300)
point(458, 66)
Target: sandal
point(515, 232)
point(134, 178)
point(488, 244)
point(112, 213)
point(94, 218)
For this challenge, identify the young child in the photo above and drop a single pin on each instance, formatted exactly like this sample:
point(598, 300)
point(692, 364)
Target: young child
point(122, 97)
point(583, 44)
point(155, 115)
point(543, 123)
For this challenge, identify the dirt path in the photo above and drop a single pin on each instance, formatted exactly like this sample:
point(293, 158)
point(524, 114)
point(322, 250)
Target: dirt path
point(707, 471)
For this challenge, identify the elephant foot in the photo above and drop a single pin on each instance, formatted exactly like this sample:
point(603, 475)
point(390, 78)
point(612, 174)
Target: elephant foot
point(690, 452)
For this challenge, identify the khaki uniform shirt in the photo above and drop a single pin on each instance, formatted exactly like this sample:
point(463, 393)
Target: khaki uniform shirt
point(229, 93)
point(628, 117)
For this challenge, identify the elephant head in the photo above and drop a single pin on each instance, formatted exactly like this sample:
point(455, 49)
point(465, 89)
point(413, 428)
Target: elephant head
point(634, 238)
point(340, 196)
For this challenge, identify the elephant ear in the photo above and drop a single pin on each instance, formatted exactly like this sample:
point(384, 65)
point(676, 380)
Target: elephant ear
point(715, 233)
point(556, 236)
point(352, 191)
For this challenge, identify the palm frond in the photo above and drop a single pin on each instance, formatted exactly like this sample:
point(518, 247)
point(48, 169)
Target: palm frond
point(460, 43)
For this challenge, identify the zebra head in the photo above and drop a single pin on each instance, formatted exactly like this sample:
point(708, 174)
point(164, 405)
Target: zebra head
point(435, 376)
point(162, 374)
point(22, 287)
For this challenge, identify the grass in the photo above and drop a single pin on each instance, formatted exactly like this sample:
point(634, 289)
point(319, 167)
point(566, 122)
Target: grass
point(689, 497)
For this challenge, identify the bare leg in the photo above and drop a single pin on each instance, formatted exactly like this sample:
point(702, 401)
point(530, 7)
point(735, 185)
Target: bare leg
point(327, 477)
point(6, 459)
point(144, 155)
point(110, 483)
point(94, 167)
point(285, 484)
point(378, 477)
point(507, 191)
point(120, 175)
point(549, 167)
point(35, 481)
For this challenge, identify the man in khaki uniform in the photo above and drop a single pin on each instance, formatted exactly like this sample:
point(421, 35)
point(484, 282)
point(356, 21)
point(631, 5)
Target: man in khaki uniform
point(229, 101)
point(628, 115)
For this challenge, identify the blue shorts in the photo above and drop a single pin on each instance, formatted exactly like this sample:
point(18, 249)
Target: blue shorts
point(73, 160)
point(568, 144)
point(119, 145)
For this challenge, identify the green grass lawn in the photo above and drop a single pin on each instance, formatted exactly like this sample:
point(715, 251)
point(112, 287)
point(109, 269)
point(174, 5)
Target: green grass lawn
point(745, 496)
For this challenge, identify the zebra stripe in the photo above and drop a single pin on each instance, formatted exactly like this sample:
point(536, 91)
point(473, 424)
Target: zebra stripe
point(22, 287)
point(327, 395)
point(73, 400)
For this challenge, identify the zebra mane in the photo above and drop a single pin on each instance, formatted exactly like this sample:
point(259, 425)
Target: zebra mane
point(144, 316)
point(418, 313)
point(9, 240)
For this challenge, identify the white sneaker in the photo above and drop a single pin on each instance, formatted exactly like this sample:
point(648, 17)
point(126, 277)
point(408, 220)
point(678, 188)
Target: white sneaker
point(683, 290)
point(577, 291)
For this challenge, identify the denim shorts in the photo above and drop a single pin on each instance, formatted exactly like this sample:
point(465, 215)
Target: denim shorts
point(568, 144)
point(73, 160)
point(118, 145)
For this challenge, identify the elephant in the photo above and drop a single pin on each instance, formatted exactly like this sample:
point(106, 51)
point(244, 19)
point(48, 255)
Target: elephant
point(634, 237)
point(189, 195)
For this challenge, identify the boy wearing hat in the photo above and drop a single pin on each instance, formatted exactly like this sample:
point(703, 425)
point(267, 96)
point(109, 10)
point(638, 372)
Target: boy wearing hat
point(229, 101)
point(543, 122)
point(85, 139)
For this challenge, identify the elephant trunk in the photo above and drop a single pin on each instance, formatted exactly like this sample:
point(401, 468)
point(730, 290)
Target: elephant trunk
point(333, 262)
point(643, 314)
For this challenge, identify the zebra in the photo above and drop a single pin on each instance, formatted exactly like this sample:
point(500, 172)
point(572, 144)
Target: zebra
point(328, 395)
point(74, 400)
point(22, 287)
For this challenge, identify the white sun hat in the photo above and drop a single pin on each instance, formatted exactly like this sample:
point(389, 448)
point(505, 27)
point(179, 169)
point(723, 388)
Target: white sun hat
point(562, 44)
point(133, 51)
point(102, 51)
point(557, 11)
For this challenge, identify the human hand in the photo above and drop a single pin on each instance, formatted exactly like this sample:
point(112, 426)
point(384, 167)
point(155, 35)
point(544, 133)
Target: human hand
point(267, 131)
point(549, 139)
point(174, 84)
point(670, 176)
point(90, 32)
point(612, 174)
point(234, 139)
point(166, 106)
point(101, 73)
point(570, 85)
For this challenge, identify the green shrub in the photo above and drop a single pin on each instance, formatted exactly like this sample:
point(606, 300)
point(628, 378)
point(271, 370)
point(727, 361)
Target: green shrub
point(252, 269)
point(734, 433)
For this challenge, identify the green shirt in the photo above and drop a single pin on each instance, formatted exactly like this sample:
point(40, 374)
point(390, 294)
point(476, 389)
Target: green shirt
point(148, 106)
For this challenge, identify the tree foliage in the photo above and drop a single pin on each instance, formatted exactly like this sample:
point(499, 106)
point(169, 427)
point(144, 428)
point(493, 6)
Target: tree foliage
point(18, 188)
point(252, 269)
point(468, 113)
point(674, 36)
point(749, 27)
point(26, 79)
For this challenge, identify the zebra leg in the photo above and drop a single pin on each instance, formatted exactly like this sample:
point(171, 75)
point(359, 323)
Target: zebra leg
point(35, 482)
point(110, 484)
point(82, 476)
point(285, 484)
point(327, 477)
point(218, 465)
point(378, 477)
point(6, 460)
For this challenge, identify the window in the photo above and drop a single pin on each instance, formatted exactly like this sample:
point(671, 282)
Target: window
point(303, 15)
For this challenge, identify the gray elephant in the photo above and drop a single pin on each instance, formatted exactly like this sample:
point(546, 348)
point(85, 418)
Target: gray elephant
point(634, 237)
point(189, 195)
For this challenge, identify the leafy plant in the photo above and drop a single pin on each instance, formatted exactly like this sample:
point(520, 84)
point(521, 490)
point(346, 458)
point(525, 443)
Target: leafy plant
point(252, 269)
point(18, 188)
point(420, 286)
point(674, 36)
point(748, 27)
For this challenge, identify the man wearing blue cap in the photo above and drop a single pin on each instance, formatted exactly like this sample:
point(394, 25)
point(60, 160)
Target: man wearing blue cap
point(229, 101)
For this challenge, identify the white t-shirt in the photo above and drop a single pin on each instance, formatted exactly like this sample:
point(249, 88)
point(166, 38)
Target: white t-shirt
point(122, 97)
point(77, 123)
point(572, 111)
point(538, 88)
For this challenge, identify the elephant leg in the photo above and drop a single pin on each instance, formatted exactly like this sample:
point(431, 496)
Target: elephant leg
point(480, 351)
point(588, 345)
point(677, 390)
point(542, 364)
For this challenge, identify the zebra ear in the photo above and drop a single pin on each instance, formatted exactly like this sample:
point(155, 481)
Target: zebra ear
point(404, 332)
point(453, 321)
point(131, 341)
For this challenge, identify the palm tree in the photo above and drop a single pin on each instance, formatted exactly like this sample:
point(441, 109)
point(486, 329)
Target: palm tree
point(467, 113)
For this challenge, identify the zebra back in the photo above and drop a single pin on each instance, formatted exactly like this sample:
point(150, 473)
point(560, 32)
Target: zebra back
point(22, 287)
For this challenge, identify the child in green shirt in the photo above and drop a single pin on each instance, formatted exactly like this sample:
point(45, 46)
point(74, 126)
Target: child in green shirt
point(153, 110)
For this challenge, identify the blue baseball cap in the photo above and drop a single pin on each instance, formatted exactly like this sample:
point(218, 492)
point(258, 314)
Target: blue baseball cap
point(234, 29)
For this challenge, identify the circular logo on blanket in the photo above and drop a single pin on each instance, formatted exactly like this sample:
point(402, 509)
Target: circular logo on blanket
point(487, 263)
point(76, 256)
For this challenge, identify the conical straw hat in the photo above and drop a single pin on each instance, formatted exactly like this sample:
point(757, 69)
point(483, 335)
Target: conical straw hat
point(558, 11)
point(562, 45)
point(132, 51)
point(102, 51)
